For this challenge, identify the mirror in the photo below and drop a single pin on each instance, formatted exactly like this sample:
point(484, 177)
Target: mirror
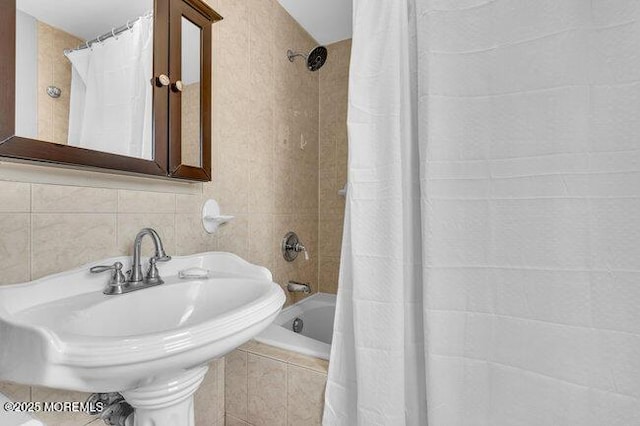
point(191, 106)
point(84, 72)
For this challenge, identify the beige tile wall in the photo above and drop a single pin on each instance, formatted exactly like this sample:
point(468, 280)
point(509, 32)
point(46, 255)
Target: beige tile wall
point(267, 386)
point(265, 172)
point(333, 153)
point(54, 70)
point(266, 156)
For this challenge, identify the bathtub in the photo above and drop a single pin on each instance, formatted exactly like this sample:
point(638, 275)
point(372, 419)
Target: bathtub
point(317, 313)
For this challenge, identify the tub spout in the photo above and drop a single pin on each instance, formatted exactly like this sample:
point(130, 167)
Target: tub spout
point(296, 287)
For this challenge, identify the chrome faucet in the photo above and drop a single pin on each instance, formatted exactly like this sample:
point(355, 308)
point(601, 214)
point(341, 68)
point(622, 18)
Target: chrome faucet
point(134, 280)
point(160, 256)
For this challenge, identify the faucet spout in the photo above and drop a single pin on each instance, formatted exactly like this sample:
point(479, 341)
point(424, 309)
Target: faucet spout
point(160, 255)
point(296, 287)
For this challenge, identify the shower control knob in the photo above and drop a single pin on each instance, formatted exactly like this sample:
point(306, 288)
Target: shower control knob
point(291, 246)
point(177, 86)
point(162, 80)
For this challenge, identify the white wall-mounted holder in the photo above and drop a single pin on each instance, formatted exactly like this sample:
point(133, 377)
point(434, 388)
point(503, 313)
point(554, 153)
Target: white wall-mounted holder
point(343, 191)
point(211, 217)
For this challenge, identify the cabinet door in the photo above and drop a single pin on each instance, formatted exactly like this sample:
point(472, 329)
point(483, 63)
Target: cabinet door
point(83, 87)
point(190, 97)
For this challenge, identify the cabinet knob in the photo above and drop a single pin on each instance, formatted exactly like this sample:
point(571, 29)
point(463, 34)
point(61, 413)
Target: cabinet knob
point(162, 80)
point(177, 86)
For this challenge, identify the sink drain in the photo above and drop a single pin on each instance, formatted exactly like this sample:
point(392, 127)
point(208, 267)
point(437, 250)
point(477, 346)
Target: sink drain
point(298, 324)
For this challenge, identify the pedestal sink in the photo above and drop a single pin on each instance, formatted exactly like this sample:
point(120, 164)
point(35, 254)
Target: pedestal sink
point(151, 345)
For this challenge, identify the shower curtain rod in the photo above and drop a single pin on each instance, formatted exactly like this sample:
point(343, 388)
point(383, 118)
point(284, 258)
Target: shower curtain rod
point(114, 32)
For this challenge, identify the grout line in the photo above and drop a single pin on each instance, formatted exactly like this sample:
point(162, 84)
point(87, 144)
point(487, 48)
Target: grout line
point(286, 393)
point(175, 233)
point(319, 289)
point(246, 372)
point(92, 421)
point(30, 260)
point(287, 362)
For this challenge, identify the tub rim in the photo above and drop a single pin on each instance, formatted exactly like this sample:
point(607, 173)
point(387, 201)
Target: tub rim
point(280, 337)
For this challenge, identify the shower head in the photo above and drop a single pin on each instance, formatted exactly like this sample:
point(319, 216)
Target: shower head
point(315, 59)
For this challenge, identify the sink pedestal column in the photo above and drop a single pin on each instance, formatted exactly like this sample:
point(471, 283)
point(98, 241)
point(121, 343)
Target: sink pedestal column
point(166, 401)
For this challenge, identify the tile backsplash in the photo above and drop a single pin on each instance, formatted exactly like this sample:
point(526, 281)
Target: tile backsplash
point(46, 229)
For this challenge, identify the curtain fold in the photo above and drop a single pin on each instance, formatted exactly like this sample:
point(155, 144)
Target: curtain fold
point(490, 270)
point(111, 98)
point(377, 370)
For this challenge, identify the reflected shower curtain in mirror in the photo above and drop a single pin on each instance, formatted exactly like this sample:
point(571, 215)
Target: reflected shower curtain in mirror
point(111, 97)
point(490, 270)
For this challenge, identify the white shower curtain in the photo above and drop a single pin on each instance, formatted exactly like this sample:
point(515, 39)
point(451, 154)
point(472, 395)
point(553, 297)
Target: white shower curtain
point(491, 258)
point(111, 97)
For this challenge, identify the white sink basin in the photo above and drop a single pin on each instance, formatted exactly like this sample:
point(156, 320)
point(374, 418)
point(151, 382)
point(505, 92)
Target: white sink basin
point(61, 331)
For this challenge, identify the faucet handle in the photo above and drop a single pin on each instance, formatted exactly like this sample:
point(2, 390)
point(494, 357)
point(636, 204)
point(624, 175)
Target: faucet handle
point(301, 248)
point(291, 246)
point(117, 277)
point(153, 275)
